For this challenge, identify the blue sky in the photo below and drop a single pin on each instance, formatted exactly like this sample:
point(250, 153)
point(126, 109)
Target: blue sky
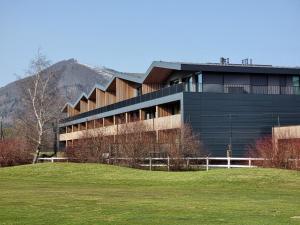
point(128, 35)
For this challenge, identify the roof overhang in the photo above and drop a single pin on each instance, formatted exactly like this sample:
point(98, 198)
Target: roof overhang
point(241, 69)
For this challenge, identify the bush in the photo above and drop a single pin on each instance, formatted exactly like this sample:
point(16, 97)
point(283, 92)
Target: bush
point(283, 154)
point(14, 152)
point(133, 143)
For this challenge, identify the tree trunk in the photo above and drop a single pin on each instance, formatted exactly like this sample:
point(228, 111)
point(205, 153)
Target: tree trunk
point(36, 156)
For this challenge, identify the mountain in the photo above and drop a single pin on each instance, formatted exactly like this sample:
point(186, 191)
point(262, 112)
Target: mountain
point(73, 78)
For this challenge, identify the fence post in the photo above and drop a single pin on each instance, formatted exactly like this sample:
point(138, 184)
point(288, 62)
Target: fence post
point(52, 160)
point(207, 162)
point(250, 162)
point(228, 162)
point(187, 163)
point(168, 163)
point(150, 163)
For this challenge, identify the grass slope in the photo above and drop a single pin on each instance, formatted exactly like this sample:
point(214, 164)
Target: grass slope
point(67, 193)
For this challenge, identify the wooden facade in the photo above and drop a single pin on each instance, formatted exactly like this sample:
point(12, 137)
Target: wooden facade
point(125, 89)
point(151, 87)
point(100, 98)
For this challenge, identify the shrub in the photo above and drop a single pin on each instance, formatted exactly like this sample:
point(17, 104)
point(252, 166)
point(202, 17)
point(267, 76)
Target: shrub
point(14, 152)
point(282, 154)
point(133, 143)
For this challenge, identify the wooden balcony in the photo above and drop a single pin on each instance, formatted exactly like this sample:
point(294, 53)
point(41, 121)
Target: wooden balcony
point(160, 123)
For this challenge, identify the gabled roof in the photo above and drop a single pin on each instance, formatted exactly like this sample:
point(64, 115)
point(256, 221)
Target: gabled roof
point(134, 77)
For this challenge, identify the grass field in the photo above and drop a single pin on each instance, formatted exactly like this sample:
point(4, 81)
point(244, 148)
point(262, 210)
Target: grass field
point(66, 193)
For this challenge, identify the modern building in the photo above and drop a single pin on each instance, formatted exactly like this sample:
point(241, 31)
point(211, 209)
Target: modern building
point(229, 105)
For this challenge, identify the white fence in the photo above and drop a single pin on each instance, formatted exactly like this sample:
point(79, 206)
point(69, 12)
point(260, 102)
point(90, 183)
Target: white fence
point(190, 162)
point(194, 162)
point(207, 162)
point(53, 159)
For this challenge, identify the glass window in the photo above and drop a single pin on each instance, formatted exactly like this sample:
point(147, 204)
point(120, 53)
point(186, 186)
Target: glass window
point(139, 91)
point(188, 83)
point(199, 81)
point(296, 85)
point(296, 81)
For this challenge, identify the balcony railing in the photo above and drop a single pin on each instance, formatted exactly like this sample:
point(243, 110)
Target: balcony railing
point(142, 98)
point(191, 87)
point(160, 123)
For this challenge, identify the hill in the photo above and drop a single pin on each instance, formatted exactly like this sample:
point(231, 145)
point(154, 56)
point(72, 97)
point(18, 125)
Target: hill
point(67, 193)
point(74, 78)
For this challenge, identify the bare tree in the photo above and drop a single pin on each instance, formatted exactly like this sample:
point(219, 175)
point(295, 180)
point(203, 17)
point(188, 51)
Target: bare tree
point(41, 104)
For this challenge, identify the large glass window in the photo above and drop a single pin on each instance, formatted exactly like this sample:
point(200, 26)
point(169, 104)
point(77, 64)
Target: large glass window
point(199, 82)
point(296, 85)
point(296, 81)
point(188, 82)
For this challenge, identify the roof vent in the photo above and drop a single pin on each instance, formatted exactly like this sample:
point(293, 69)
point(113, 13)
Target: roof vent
point(247, 62)
point(224, 61)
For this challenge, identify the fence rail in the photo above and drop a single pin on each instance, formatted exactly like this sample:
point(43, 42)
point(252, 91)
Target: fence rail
point(207, 162)
point(53, 159)
point(190, 162)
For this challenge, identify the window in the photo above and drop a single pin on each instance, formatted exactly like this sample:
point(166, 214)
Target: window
point(188, 83)
point(296, 81)
point(139, 91)
point(199, 82)
point(296, 85)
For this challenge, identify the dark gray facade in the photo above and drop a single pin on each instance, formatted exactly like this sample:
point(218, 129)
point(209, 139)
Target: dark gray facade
point(237, 118)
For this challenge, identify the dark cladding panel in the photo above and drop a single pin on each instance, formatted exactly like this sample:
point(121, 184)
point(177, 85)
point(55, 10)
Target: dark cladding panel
point(237, 79)
point(212, 78)
point(241, 118)
point(213, 82)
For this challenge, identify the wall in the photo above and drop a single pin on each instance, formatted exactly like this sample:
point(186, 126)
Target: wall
point(100, 98)
point(252, 116)
point(124, 90)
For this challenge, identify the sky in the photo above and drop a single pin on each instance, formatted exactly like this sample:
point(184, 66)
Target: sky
point(127, 35)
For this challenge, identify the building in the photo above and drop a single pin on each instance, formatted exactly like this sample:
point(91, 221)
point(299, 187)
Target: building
point(291, 133)
point(229, 105)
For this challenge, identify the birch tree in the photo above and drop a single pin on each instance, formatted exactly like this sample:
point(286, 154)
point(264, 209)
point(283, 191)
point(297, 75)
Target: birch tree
point(41, 103)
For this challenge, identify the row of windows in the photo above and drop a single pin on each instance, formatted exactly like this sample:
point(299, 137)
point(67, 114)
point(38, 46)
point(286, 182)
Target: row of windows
point(189, 82)
point(194, 82)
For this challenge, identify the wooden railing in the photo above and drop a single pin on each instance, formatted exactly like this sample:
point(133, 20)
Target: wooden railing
point(160, 123)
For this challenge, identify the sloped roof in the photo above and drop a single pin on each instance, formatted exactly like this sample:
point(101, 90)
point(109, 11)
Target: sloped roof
point(235, 68)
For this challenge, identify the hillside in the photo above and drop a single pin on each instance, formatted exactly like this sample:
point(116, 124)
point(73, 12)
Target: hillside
point(73, 79)
point(81, 194)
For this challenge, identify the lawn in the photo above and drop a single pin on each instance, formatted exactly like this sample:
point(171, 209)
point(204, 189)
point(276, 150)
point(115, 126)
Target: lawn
point(67, 193)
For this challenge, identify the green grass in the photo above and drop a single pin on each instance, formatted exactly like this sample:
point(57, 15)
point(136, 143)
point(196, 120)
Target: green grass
point(67, 193)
